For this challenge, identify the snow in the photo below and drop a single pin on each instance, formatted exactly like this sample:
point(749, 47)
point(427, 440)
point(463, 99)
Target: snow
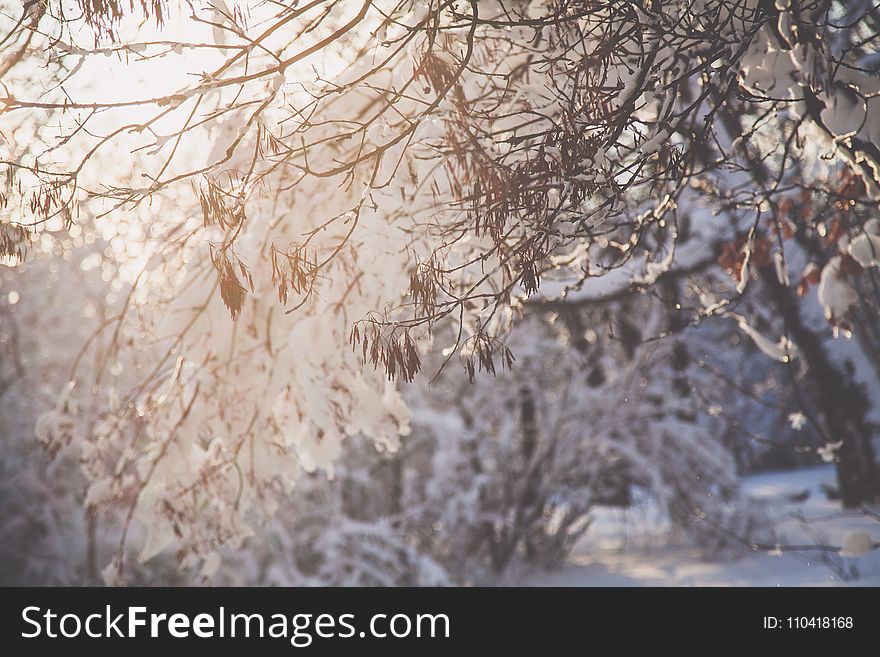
point(856, 544)
point(653, 145)
point(865, 248)
point(285, 397)
point(782, 350)
point(835, 294)
point(797, 420)
point(634, 547)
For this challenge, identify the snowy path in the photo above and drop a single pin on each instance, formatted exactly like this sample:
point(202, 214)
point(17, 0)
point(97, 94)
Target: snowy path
point(635, 548)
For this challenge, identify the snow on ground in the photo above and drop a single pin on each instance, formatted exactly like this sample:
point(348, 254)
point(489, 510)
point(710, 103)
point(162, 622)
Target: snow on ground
point(635, 547)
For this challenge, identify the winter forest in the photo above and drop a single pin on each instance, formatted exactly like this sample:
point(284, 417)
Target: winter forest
point(450, 292)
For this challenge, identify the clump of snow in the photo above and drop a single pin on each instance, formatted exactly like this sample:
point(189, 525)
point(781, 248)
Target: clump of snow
point(653, 145)
point(829, 450)
point(538, 9)
point(865, 248)
point(781, 269)
point(211, 565)
point(782, 350)
point(856, 543)
point(797, 420)
point(56, 428)
point(844, 114)
point(835, 293)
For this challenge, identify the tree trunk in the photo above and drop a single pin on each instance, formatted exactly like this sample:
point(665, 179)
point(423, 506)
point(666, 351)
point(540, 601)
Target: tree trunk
point(842, 402)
